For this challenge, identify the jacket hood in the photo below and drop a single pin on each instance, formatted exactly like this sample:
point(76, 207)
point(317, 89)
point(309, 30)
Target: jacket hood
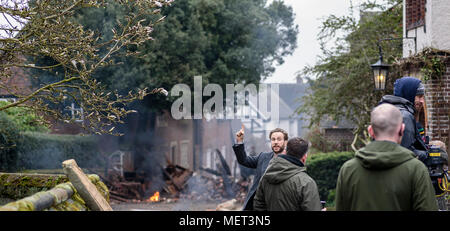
point(406, 87)
point(280, 169)
point(399, 102)
point(383, 155)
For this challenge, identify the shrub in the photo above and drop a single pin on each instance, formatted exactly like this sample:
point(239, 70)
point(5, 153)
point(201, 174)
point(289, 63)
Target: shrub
point(24, 118)
point(324, 169)
point(47, 151)
point(9, 135)
point(331, 198)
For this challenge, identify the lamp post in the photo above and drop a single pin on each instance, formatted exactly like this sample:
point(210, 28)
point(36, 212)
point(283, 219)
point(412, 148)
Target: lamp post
point(381, 70)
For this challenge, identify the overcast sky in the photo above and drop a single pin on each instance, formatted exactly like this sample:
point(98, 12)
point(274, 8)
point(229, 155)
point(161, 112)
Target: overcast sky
point(309, 15)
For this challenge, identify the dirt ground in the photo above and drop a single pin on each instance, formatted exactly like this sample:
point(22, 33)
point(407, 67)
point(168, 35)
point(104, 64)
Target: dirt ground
point(181, 205)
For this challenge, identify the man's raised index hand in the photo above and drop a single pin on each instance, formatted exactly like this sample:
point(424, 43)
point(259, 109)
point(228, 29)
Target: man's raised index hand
point(240, 134)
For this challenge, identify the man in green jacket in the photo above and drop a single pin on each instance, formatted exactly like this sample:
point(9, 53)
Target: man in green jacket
point(285, 186)
point(385, 176)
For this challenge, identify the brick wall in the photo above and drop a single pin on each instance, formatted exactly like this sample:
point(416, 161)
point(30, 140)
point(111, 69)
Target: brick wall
point(415, 13)
point(339, 134)
point(175, 138)
point(437, 98)
point(341, 138)
point(18, 83)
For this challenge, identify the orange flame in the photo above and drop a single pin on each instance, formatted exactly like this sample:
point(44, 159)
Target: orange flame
point(154, 198)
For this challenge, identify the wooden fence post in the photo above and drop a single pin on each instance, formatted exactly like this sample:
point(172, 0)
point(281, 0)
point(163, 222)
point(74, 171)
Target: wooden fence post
point(87, 190)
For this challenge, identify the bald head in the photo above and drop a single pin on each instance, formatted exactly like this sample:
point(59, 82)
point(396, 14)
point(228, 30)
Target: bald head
point(386, 120)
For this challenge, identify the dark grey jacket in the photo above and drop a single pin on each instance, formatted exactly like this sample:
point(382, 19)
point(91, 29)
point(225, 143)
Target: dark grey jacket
point(258, 162)
point(411, 137)
point(286, 187)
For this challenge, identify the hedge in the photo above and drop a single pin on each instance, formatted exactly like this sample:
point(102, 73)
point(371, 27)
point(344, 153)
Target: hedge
point(34, 150)
point(9, 135)
point(48, 151)
point(324, 169)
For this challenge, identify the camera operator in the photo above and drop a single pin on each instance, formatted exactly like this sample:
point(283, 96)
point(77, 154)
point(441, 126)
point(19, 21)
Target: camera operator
point(409, 98)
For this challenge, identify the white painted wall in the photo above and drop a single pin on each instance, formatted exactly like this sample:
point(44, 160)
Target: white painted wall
point(440, 24)
point(435, 33)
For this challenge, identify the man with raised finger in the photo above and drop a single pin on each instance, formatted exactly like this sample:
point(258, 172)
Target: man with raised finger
point(278, 139)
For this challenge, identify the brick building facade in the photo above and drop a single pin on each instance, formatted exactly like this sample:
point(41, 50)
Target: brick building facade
point(436, 115)
point(438, 107)
point(17, 83)
point(429, 60)
point(193, 143)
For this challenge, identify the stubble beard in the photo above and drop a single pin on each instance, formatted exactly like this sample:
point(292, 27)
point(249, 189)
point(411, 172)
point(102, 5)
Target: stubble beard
point(280, 151)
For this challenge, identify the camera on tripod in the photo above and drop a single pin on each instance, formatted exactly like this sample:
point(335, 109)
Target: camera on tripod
point(435, 161)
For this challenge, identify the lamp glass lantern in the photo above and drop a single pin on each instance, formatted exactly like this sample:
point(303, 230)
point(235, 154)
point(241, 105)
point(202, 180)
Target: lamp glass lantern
point(380, 72)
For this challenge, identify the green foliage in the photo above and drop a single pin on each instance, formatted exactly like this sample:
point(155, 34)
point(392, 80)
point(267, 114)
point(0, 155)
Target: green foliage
point(24, 191)
point(324, 169)
point(25, 119)
point(9, 135)
point(44, 39)
point(47, 151)
point(225, 41)
point(346, 67)
point(433, 67)
point(18, 185)
point(331, 200)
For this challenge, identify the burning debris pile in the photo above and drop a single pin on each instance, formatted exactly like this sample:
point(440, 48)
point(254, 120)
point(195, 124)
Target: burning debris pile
point(205, 188)
point(176, 178)
point(204, 185)
point(214, 185)
point(175, 182)
point(123, 191)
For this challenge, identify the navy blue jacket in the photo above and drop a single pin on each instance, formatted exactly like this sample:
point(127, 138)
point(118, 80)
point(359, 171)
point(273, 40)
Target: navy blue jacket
point(259, 162)
point(404, 93)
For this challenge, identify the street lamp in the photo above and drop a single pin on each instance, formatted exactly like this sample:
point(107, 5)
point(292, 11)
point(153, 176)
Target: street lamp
point(380, 70)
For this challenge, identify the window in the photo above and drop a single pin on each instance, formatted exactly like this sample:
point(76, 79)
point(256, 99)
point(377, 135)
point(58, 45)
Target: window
point(184, 152)
point(173, 154)
point(8, 99)
point(77, 114)
point(209, 162)
point(415, 13)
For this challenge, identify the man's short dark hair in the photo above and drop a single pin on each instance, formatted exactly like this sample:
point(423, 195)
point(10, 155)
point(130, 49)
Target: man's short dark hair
point(297, 147)
point(285, 134)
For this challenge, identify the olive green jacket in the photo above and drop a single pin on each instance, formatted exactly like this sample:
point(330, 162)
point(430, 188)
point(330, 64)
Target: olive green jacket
point(384, 176)
point(286, 187)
